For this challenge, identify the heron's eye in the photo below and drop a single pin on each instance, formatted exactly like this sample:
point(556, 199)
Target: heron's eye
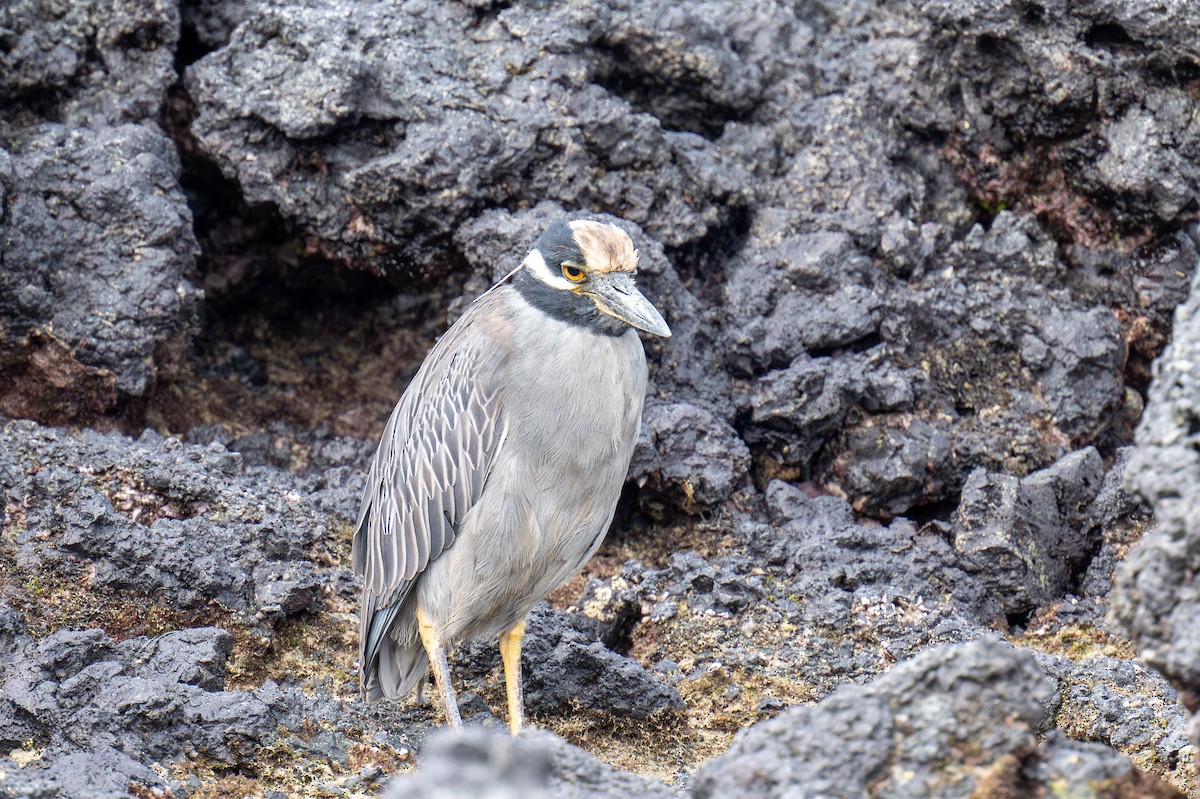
point(572, 272)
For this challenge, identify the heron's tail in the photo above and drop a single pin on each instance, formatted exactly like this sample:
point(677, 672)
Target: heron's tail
point(391, 656)
point(397, 671)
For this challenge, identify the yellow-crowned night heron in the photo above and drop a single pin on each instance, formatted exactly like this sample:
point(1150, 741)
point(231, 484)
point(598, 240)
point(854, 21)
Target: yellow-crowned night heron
point(499, 470)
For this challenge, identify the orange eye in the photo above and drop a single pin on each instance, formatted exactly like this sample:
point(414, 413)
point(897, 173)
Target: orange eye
point(572, 272)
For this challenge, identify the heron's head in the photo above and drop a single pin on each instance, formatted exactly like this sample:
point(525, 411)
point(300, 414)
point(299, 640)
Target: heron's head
point(583, 270)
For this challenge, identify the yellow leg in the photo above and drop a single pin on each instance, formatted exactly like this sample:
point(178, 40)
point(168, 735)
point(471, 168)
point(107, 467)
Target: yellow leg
point(441, 668)
point(510, 652)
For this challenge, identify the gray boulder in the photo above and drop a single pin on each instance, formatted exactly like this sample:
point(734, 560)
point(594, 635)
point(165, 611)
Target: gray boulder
point(1026, 538)
point(688, 453)
point(569, 667)
point(489, 764)
point(955, 721)
point(565, 671)
point(1123, 704)
point(96, 242)
point(429, 129)
point(100, 709)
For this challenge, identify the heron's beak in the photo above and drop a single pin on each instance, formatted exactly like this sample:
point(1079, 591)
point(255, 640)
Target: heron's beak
point(615, 294)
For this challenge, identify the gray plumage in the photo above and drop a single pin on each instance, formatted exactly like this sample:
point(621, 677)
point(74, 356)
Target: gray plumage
point(498, 473)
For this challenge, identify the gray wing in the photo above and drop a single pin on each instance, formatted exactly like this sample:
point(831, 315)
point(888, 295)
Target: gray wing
point(429, 471)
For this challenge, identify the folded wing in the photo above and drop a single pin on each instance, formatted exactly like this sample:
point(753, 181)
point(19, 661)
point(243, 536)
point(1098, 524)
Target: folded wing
point(429, 471)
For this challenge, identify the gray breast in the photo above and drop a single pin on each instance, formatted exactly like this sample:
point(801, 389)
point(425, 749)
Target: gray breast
point(571, 406)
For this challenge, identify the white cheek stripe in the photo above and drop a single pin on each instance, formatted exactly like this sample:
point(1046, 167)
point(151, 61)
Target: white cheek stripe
point(552, 277)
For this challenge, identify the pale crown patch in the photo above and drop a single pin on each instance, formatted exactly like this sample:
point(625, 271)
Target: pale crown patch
point(605, 247)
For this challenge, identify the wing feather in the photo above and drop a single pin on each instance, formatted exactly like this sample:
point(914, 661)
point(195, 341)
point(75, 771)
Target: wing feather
point(430, 469)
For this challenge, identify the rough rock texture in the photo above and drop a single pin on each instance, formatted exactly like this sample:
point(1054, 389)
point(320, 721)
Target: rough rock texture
point(1105, 82)
point(563, 666)
point(818, 186)
point(95, 239)
point(71, 685)
point(354, 149)
point(96, 235)
point(89, 63)
point(978, 363)
point(1124, 704)
point(811, 171)
point(493, 765)
point(1157, 597)
point(816, 600)
point(564, 656)
point(1027, 537)
point(181, 532)
point(87, 715)
point(188, 525)
point(955, 721)
point(687, 451)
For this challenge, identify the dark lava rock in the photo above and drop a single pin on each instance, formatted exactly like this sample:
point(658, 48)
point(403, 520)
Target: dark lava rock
point(1093, 770)
point(213, 21)
point(1123, 704)
point(107, 718)
point(911, 252)
point(536, 765)
point(1026, 537)
point(837, 567)
point(794, 411)
point(96, 239)
point(801, 605)
point(568, 668)
point(981, 363)
point(98, 773)
point(811, 172)
point(101, 709)
point(13, 631)
point(690, 451)
point(1121, 520)
point(87, 63)
point(398, 122)
point(1157, 597)
point(186, 524)
point(76, 684)
point(564, 670)
point(955, 720)
point(1104, 82)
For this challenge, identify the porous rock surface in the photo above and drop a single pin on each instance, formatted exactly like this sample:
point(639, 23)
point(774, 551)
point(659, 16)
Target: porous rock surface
point(682, 119)
point(86, 64)
point(1157, 597)
point(950, 722)
point(96, 239)
point(188, 525)
point(958, 720)
point(98, 716)
point(96, 235)
point(918, 257)
point(565, 667)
